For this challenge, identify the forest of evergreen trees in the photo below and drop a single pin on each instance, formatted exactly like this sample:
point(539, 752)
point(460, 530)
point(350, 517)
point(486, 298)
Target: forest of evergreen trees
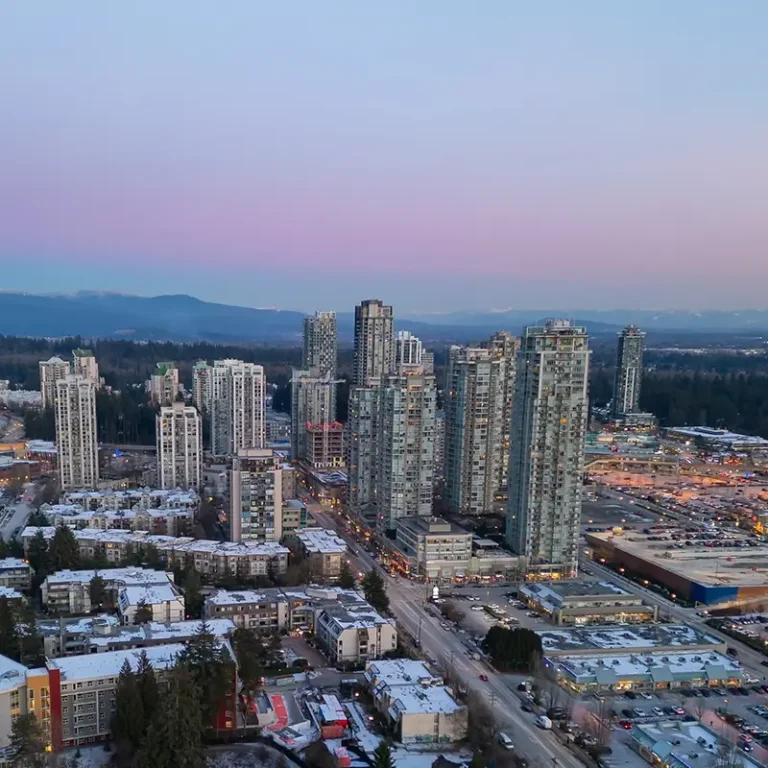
point(717, 388)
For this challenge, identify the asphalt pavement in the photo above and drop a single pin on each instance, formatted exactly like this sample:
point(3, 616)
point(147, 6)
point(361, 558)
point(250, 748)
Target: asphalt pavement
point(15, 517)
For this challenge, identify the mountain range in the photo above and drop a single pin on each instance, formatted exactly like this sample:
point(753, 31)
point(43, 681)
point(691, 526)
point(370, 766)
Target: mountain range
point(185, 318)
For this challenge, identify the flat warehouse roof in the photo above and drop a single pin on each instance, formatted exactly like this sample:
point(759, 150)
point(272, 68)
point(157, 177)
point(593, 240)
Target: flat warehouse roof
point(735, 564)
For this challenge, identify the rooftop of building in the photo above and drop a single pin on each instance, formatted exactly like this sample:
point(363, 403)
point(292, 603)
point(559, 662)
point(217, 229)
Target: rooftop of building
point(81, 625)
point(12, 674)
point(434, 526)
point(736, 561)
point(126, 576)
point(334, 477)
point(12, 563)
point(76, 513)
point(397, 672)
point(724, 436)
point(9, 593)
point(558, 592)
point(420, 699)
point(98, 665)
point(679, 744)
point(41, 446)
point(360, 616)
point(321, 541)
point(177, 543)
point(663, 666)
point(628, 638)
point(312, 595)
point(166, 495)
point(155, 594)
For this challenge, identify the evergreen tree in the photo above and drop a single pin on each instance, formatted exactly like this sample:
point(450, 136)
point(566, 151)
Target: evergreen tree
point(174, 737)
point(376, 591)
point(211, 668)
point(249, 651)
point(38, 519)
point(193, 595)
point(97, 591)
point(346, 577)
point(478, 761)
point(152, 557)
point(31, 652)
point(100, 561)
point(148, 688)
point(38, 554)
point(382, 756)
point(8, 640)
point(27, 743)
point(64, 550)
point(128, 718)
point(143, 613)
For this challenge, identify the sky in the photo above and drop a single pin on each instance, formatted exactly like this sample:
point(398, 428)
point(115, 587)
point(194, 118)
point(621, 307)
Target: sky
point(440, 155)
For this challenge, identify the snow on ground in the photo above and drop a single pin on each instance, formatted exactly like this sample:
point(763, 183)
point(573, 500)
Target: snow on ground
point(90, 757)
point(244, 756)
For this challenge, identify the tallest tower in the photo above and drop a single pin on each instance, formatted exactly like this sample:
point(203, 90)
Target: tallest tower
point(629, 372)
point(374, 342)
point(320, 343)
point(549, 423)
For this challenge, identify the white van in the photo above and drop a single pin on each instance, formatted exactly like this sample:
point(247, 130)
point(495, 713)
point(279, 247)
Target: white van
point(542, 721)
point(505, 741)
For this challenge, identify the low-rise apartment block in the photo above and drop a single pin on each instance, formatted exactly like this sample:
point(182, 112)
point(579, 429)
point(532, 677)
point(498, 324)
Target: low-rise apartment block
point(68, 592)
point(324, 550)
point(346, 626)
point(586, 601)
point(419, 707)
point(15, 573)
point(163, 521)
point(214, 558)
point(135, 498)
point(294, 516)
point(104, 633)
point(164, 601)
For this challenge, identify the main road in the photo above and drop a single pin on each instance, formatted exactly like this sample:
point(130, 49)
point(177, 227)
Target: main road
point(407, 601)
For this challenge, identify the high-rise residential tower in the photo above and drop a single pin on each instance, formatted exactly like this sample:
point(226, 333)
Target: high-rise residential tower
point(256, 497)
point(179, 435)
point(505, 346)
point(474, 414)
point(164, 384)
point(405, 451)
point(201, 386)
point(50, 372)
point(237, 407)
point(374, 342)
point(312, 409)
point(361, 452)
point(76, 433)
point(409, 349)
point(84, 364)
point(320, 343)
point(549, 424)
point(629, 371)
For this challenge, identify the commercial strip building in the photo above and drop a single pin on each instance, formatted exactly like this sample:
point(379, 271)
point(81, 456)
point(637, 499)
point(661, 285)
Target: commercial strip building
point(716, 569)
point(346, 626)
point(672, 639)
point(68, 591)
point(434, 549)
point(104, 633)
point(586, 601)
point(215, 558)
point(672, 744)
point(417, 705)
point(323, 549)
point(718, 439)
point(546, 465)
point(646, 671)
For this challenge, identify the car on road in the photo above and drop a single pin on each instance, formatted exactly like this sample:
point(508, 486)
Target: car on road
point(484, 678)
point(526, 706)
point(679, 711)
point(626, 724)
